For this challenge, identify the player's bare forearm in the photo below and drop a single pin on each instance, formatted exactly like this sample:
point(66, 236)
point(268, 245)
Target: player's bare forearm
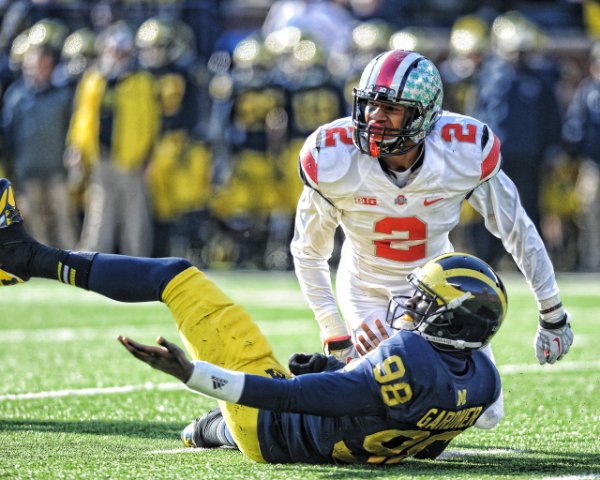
point(167, 357)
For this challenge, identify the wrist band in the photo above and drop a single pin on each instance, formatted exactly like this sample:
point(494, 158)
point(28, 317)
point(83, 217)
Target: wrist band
point(553, 326)
point(339, 343)
point(551, 309)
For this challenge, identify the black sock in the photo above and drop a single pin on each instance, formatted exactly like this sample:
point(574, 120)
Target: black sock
point(65, 266)
point(215, 433)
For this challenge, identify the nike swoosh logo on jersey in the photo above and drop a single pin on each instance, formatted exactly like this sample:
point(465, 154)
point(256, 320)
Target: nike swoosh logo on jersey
point(428, 202)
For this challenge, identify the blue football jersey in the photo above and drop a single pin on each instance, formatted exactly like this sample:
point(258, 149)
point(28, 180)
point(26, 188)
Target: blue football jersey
point(403, 399)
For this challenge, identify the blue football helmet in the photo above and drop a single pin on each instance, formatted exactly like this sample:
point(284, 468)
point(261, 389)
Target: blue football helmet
point(459, 303)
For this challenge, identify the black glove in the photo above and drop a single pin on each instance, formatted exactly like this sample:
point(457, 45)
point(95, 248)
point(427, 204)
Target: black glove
point(301, 363)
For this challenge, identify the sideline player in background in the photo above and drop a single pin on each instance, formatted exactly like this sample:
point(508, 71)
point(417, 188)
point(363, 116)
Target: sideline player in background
point(394, 176)
point(408, 398)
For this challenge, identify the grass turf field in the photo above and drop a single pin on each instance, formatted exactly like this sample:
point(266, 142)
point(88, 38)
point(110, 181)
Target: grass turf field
point(75, 404)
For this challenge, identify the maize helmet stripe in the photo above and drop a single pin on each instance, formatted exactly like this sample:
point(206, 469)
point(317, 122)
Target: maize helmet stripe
point(487, 276)
point(464, 272)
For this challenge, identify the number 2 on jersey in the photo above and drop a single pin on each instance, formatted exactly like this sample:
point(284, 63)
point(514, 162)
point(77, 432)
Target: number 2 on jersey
point(408, 246)
point(462, 133)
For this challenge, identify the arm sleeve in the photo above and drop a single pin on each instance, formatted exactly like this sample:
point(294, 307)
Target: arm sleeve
point(312, 245)
point(497, 200)
point(313, 393)
point(332, 394)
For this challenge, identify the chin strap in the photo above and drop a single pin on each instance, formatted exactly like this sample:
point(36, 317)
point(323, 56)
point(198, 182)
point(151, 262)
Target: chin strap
point(457, 344)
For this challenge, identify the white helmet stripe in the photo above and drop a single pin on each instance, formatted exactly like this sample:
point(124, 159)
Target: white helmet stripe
point(370, 74)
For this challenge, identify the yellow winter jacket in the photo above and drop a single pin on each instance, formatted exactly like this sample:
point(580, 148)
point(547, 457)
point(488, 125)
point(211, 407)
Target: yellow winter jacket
point(136, 118)
point(179, 175)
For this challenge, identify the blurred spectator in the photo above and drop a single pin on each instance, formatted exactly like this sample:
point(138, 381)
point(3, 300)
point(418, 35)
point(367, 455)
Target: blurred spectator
point(560, 207)
point(179, 172)
point(313, 98)
point(48, 31)
point(22, 14)
point(35, 118)
point(591, 18)
point(369, 38)
point(77, 55)
point(469, 46)
point(327, 21)
point(115, 120)
point(581, 133)
point(250, 111)
point(517, 98)
point(205, 18)
point(418, 40)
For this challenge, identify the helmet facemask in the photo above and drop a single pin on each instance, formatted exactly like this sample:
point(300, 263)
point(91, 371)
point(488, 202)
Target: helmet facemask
point(430, 316)
point(382, 142)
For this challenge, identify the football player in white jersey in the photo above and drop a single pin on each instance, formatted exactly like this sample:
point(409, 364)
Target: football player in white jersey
point(394, 176)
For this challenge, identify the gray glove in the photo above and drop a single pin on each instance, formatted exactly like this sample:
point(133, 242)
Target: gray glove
point(341, 348)
point(553, 340)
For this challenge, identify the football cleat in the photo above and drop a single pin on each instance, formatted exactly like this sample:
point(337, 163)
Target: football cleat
point(9, 213)
point(13, 261)
point(207, 431)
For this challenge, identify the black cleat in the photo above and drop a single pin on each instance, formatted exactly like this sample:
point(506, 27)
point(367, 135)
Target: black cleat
point(13, 258)
point(207, 431)
point(9, 213)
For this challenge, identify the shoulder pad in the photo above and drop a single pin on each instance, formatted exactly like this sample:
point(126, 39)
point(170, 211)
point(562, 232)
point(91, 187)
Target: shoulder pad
point(473, 138)
point(325, 156)
point(492, 160)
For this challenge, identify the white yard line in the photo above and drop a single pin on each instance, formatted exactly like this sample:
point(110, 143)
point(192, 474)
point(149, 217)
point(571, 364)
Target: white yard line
point(173, 451)
point(462, 452)
point(69, 334)
point(44, 291)
point(82, 392)
point(582, 476)
point(562, 366)
point(504, 369)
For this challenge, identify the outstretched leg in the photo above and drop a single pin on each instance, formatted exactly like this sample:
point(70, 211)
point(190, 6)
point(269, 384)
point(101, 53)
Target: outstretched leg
point(122, 278)
point(212, 326)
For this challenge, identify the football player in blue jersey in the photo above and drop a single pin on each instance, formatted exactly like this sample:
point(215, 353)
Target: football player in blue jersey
point(409, 397)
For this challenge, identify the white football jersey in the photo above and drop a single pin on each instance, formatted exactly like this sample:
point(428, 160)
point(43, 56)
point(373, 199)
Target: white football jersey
point(391, 230)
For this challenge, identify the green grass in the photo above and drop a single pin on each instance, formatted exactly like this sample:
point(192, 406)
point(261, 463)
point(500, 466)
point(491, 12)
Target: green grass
point(57, 338)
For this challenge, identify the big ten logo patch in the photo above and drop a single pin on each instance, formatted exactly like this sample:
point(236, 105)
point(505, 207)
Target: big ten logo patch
point(371, 201)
